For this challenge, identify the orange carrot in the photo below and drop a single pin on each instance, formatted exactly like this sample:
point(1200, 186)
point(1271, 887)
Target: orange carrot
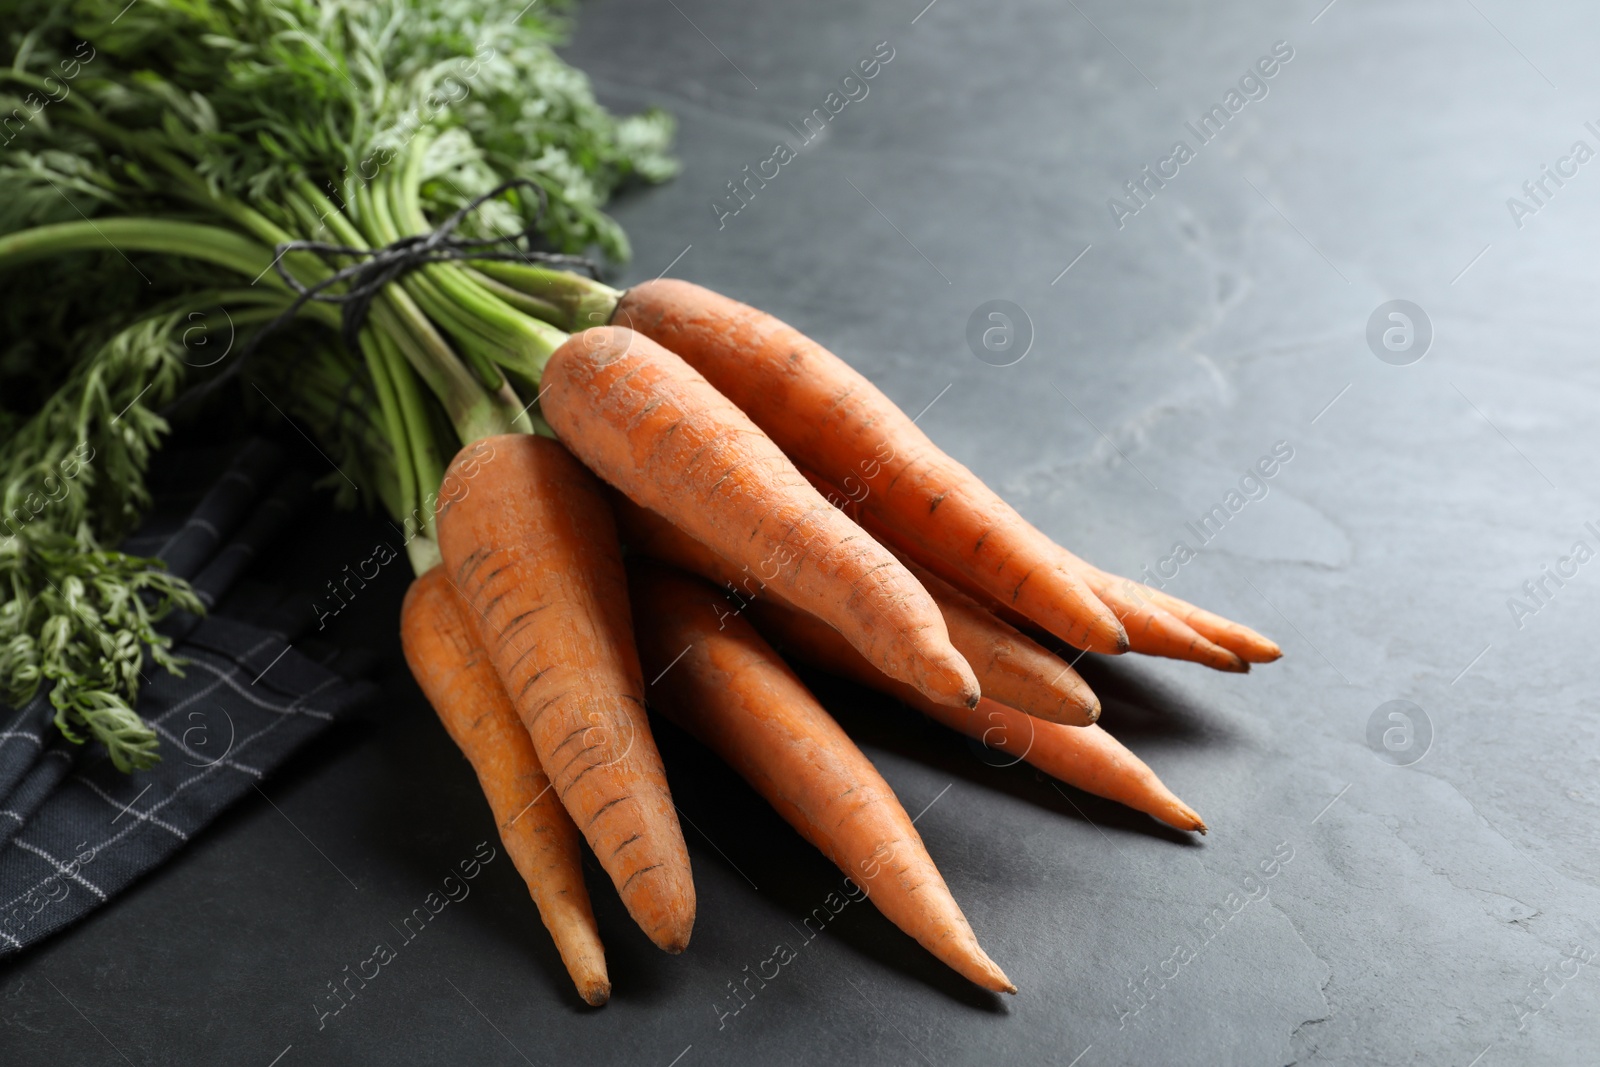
point(1242, 641)
point(530, 547)
point(455, 674)
point(1082, 756)
point(1152, 630)
point(1087, 757)
point(646, 422)
point(723, 684)
point(648, 534)
point(1010, 666)
point(834, 421)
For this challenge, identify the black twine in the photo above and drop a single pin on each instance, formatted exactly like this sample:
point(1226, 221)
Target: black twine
point(377, 267)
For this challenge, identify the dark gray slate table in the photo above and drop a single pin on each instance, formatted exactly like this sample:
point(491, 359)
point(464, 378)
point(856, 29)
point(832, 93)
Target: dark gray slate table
point(1440, 912)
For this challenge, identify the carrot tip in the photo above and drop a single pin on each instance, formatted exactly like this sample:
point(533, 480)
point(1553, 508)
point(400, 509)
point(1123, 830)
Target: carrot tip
point(1232, 664)
point(986, 972)
point(679, 940)
point(672, 937)
point(596, 995)
point(1266, 652)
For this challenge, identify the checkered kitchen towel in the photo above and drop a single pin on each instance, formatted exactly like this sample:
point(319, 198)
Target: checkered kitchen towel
point(75, 831)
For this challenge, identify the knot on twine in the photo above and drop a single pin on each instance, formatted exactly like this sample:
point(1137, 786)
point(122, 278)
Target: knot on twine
point(375, 268)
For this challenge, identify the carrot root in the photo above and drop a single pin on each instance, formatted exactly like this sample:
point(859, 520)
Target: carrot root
point(455, 674)
point(832, 420)
point(530, 546)
point(1237, 638)
point(649, 424)
point(1083, 756)
point(1155, 631)
point(1150, 628)
point(733, 693)
point(1009, 666)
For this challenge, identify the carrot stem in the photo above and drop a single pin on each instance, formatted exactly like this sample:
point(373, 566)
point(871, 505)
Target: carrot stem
point(190, 240)
point(523, 302)
point(472, 411)
point(580, 302)
point(405, 471)
point(524, 342)
point(422, 450)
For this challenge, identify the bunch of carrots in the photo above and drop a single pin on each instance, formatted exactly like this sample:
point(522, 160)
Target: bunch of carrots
point(769, 497)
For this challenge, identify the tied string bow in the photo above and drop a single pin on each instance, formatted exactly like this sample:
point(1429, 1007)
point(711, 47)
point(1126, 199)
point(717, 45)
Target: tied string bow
point(375, 268)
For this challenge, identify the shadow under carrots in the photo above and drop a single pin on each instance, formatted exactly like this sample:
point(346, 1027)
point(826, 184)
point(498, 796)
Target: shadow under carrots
point(729, 826)
point(1135, 703)
point(878, 722)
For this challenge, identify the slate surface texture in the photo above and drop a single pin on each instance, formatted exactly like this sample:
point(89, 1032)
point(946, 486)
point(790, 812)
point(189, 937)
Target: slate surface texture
point(1441, 912)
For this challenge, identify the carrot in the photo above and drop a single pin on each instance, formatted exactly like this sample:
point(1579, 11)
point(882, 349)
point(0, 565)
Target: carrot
point(1010, 666)
point(1242, 641)
point(454, 672)
point(1087, 757)
point(646, 422)
point(648, 534)
point(1082, 756)
point(723, 684)
point(831, 419)
point(1151, 629)
point(530, 547)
